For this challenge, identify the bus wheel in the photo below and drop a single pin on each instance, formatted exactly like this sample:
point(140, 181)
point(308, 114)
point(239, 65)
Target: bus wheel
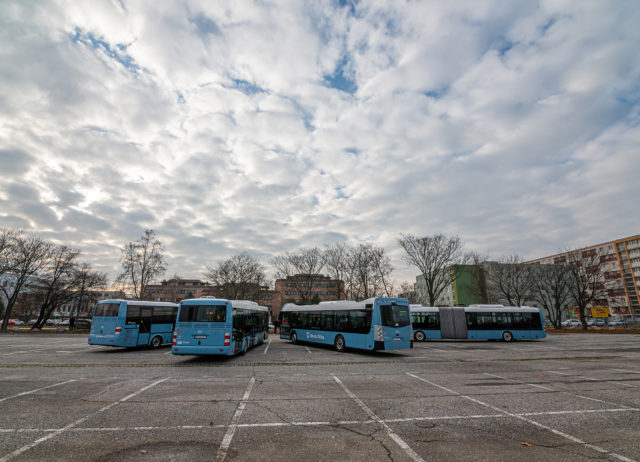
point(419, 336)
point(339, 344)
point(156, 342)
point(294, 338)
point(507, 336)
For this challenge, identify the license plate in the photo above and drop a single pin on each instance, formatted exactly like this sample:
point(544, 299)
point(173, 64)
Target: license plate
point(397, 339)
point(199, 336)
point(100, 336)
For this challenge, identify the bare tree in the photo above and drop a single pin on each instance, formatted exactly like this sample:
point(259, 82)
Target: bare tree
point(510, 281)
point(142, 263)
point(57, 281)
point(433, 255)
point(88, 281)
point(587, 281)
point(21, 259)
point(551, 290)
point(336, 260)
point(305, 265)
point(407, 290)
point(241, 277)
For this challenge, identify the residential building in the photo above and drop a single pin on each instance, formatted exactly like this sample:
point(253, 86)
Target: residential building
point(307, 288)
point(620, 266)
point(466, 286)
point(175, 290)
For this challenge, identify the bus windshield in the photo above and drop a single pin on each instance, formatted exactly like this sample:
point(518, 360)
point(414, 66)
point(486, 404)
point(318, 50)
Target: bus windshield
point(395, 315)
point(203, 313)
point(107, 309)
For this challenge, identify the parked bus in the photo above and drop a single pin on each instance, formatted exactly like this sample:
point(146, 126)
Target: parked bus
point(486, 322)
point(374, 324)
point(214, 326)
point(130, 323)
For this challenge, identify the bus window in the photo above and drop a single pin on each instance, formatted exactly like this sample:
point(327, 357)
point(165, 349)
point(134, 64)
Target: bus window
point(107, 309)
point(133, 315)
point(395, 315)
point(203, 313)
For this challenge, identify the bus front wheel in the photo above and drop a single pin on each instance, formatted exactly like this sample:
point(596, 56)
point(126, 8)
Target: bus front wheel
point(507, 336)
point(294, 338)
point(339, 344)
point(156, 342)
point(420, 336)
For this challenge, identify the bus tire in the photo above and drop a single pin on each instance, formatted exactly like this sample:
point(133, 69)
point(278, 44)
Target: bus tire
point(156, 342)
point(507, 336)
point(339, 343)
point(294, 337)
point(420, 337)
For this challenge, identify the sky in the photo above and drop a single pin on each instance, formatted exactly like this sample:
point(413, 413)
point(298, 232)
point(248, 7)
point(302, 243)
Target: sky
point(264, 127)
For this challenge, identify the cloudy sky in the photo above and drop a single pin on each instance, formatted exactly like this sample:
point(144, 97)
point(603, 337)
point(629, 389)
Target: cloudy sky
point(268, 126)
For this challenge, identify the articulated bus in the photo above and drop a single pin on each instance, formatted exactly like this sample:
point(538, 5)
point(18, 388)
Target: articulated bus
point(480, 322)
point(129, 323)
point(374, 324)
point(214, 326)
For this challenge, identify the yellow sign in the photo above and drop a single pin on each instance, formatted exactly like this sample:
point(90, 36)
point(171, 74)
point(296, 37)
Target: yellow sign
point(599, 311)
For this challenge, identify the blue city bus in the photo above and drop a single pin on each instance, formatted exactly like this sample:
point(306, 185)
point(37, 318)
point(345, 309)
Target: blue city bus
point(477, 322)
point(131, 323)
point(214, 326)
point(374, 324)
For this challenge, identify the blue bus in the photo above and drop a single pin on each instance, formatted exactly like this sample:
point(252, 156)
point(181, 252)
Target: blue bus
point(214, 326)
point(131, 323)
point(479, 322)
point(374, 324)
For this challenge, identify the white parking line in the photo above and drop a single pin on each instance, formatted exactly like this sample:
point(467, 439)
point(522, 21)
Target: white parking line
point(410, 452)
point(529, 421)
point(267, 349)
point(561, 391)
point(308, 350)
point(226, 441)
point(626, 370)
point(311, 424)
point(37, 389)
point(77, 422)
point(594, 379)
point(167, 353)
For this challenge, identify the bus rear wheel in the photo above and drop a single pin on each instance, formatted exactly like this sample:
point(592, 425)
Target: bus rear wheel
point(294, 338)
point(339, 344)
point(507, 336)
point(420, 336)
point(156, 342)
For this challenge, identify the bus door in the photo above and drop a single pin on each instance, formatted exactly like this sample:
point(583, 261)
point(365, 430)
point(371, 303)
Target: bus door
point(146, 313)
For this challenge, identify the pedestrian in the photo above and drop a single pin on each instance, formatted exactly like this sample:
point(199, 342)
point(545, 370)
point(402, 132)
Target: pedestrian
point(72, 323)
point(275, 326)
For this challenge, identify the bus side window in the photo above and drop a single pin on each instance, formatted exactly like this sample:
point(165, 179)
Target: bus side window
point(133, 315)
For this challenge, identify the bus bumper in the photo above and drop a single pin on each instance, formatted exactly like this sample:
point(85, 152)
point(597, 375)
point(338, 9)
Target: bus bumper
point(202, 350)
point(105, 340)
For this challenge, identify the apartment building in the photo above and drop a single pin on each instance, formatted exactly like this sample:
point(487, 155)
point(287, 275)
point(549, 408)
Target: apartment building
point(465, 285)
point(620, 265)
point(175, 290)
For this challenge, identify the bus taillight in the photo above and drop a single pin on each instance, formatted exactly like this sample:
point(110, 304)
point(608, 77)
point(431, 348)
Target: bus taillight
point(227, 339)
point(118, 330)
point(175, 336)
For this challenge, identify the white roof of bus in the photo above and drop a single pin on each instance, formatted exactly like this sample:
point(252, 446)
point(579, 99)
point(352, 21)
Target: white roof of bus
point(476, 308)
point(139, 302)
point(246, 304)
point(333, 306)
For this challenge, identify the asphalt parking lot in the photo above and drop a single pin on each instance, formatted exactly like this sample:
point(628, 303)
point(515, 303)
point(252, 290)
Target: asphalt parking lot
point(569, 396)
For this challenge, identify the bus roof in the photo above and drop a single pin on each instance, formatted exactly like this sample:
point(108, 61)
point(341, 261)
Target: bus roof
point(477, 309)
point(138, 302)
point(246, 304)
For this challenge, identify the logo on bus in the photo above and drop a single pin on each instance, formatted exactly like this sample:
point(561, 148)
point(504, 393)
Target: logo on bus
point(316, 336)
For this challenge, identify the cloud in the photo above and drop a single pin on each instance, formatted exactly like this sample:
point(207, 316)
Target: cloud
point(271, 126)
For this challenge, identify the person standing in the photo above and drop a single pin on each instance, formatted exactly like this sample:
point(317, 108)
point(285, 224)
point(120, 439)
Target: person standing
point(72, 323)
point(276, 323)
